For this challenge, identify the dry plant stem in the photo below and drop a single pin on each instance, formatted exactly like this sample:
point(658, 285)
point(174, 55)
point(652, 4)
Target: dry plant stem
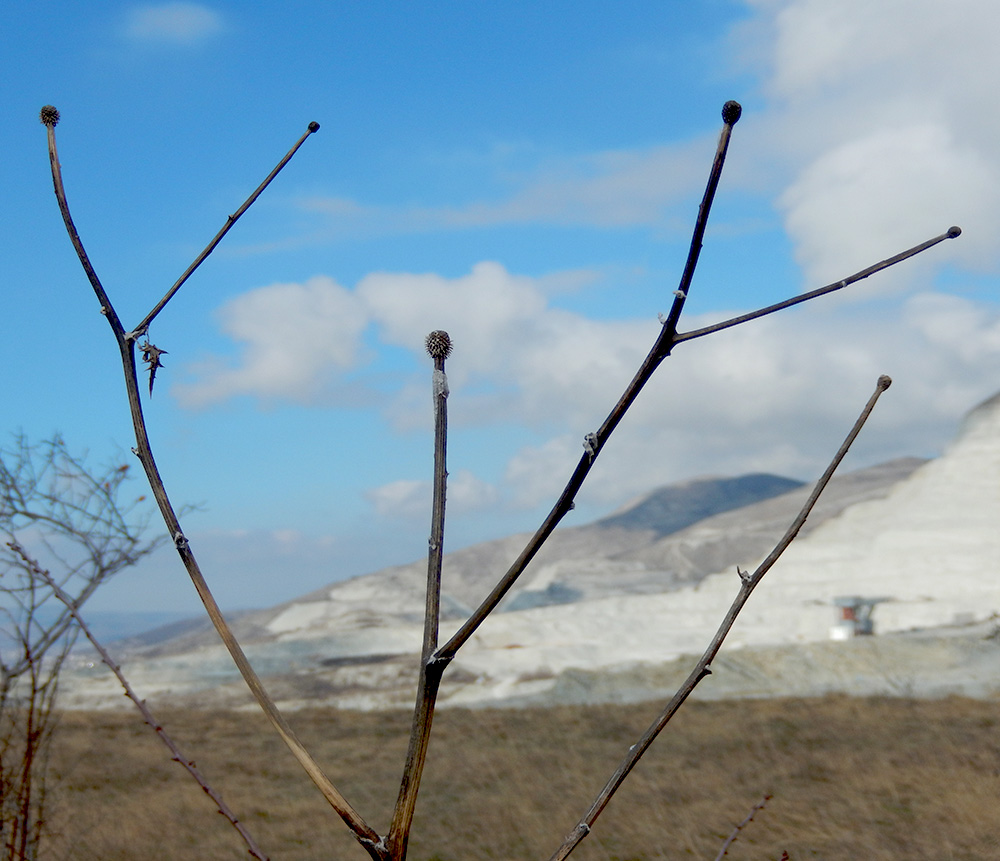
point(177, 754)
point(951, 233)
point(126, 345)
point(230, 221)
point(430, 672)
point(731, 839)
point(748, 582)
point(594, 442)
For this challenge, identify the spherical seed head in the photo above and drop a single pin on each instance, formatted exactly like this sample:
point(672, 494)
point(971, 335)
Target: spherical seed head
point(314, 126)
point(731, 112)
point(884, 382)
point(438, 344)
point(954, 232)
point(48, 115)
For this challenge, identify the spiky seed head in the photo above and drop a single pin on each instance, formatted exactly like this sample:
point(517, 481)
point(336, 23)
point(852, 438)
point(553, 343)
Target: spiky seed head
point(48, 115)
point(731, 112)
point(438, 344)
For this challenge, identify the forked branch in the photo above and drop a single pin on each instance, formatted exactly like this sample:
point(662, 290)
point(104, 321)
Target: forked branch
point(126, 341)
point(667, 339)
point(748, 582)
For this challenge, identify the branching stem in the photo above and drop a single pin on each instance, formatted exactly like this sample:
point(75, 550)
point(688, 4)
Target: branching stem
point(365, 834)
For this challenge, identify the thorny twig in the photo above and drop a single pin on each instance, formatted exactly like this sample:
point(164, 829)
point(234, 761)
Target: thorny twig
point(178, 756)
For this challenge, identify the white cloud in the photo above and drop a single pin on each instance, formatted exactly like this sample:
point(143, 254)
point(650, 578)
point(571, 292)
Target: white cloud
point(173, 23)
point(879, 114)
point(776, 394)
point(411, 500)
point(295, 337)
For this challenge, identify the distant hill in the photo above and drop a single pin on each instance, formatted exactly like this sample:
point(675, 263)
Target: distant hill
point(650, 545)
point(670, 509)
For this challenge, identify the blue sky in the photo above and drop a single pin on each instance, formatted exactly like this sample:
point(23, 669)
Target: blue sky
point(524, 175)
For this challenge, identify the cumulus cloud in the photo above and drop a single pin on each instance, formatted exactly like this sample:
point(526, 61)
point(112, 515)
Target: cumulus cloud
point(411, 500)
point(295, 338)
point(774, 395)
point(172, 23)
point(877, 112)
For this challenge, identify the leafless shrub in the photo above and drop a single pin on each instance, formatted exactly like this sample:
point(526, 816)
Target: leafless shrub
point(51, 501)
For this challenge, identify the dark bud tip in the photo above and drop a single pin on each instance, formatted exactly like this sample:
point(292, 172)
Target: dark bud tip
point(731, 112)
point(314, 126)
point(884, 382)
point(48, 115)
point(438, 345)
point(954, 231)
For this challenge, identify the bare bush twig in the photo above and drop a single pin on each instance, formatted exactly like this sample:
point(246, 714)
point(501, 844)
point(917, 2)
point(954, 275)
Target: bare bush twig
point(731, 839)
point(177, 755)
point(55, 502)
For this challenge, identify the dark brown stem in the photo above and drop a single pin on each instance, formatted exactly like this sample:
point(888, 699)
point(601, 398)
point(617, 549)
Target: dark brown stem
point(364, 833)
point(748, 582)
point(74, 237)
point(439, 347)
point(171, 745)
point(951, 233)
point(594, 442)
point(230, 221)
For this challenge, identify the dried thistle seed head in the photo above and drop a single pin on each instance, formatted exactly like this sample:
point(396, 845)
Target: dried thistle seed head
point(731, 112)
point(438, 344)
point(48, 115)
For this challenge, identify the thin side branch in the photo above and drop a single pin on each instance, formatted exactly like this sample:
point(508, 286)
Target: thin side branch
point(230, 221)
point(731, 839)
point(176, 753)
point(950, 233)
point(748, 582)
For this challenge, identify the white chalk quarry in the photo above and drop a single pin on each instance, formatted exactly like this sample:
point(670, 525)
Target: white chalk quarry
point(929, 547)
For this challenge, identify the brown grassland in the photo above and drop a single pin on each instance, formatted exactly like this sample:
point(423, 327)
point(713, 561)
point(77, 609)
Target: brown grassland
point(850, 778)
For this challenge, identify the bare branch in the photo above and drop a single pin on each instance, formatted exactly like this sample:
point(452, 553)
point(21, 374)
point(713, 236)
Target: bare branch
point(230, 221)
point(178, 756)
point(731, 839)
point(50, 117)
point(366, 835)
point(950, 233)
point(595, 441)
point(439, 348)
point(703, 668)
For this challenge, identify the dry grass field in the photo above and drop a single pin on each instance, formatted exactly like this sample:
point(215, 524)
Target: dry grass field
point(850, 778)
